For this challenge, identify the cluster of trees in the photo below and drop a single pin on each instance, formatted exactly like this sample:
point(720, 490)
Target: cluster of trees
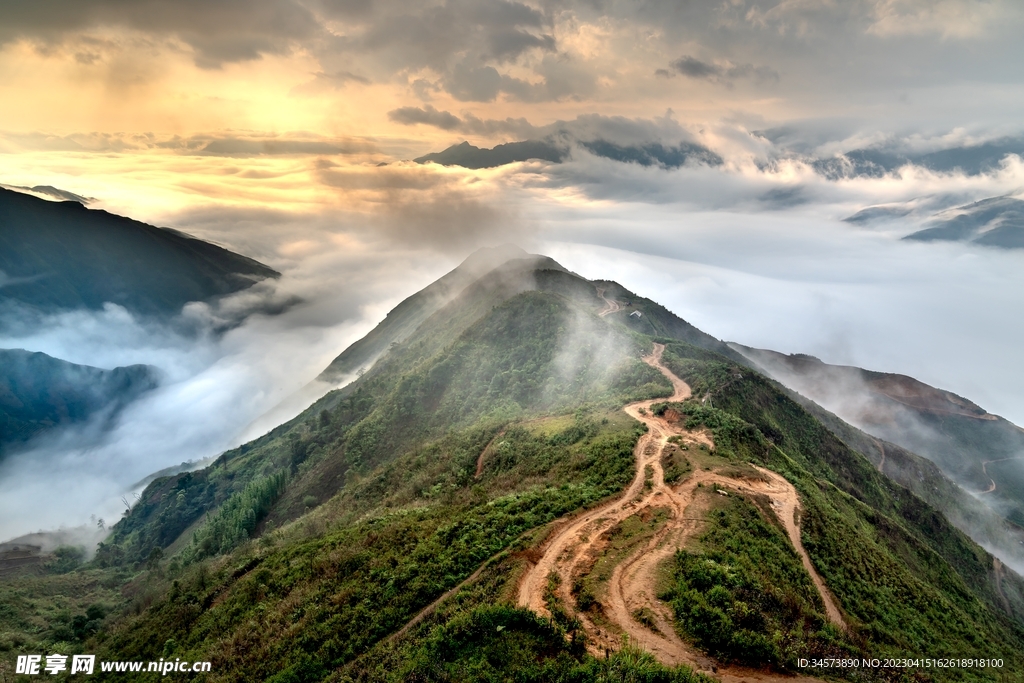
point(68, 628)
point(236, 519)
point(167, 508)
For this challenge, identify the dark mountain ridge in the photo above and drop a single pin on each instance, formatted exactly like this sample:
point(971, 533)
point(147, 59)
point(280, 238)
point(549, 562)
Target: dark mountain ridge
point(39, 393)
point(876, 162)
point(64, 256)
point(558, 148)
point(980, 451)
point(992, 222)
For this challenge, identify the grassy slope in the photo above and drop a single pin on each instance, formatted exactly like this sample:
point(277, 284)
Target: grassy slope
point(741, 593)
point(390, 515)
point(910, 582)
point(316, 594)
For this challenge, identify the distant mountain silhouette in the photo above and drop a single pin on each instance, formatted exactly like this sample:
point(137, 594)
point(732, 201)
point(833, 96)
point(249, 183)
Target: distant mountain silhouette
point(61, 255)
point(469, 156)
point(994, 222)
point(39, 392)
point(651, 154)
point(875, 162)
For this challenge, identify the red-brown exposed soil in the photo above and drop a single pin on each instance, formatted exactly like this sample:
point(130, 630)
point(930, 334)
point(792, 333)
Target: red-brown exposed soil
point(570, 549)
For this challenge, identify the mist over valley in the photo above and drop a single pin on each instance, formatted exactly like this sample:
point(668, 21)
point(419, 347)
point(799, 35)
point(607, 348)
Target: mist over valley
point(519, 340)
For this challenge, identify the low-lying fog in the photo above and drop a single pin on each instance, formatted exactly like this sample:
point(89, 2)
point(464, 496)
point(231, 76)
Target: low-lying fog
point(761, 257)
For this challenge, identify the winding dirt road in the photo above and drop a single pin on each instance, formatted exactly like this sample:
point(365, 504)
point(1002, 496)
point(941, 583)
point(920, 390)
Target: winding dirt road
point(610, 305)
point(571, 549)
point(992, 482)
point(997, 567)
point(881, 463)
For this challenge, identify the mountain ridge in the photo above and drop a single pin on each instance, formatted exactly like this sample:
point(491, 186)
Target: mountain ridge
point(39, 393)
point(324, 549)
point(62, 256)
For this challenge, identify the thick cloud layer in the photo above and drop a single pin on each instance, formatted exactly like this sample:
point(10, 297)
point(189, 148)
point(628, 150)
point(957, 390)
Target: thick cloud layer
point(212, 389)
point(865, 55)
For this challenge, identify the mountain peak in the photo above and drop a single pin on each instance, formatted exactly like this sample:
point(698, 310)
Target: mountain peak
point(487, 258)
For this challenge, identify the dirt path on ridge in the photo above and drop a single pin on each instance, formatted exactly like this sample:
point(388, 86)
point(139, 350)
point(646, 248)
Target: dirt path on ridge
point(992, 482)
point(610, 305)
point(571, 549)
point(480, 458)
point(997, 567)
point(881, 463)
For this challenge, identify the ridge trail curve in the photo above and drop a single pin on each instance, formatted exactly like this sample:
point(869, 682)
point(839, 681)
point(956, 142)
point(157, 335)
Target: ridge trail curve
point(570, 548)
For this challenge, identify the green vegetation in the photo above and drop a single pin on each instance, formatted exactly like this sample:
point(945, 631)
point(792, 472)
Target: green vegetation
point(501, 643)
point(325, 591)
point(235, 520)
point(312, 552)
point(65, 559)
point(908, 580)
point(55, 613)
point(744, 596)
point(674, 462)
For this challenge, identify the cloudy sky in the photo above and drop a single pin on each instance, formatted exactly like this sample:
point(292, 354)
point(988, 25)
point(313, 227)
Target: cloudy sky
point(285, 130)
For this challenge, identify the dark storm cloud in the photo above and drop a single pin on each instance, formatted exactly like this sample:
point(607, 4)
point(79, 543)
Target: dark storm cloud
point(717, 73)
point(410, 35)
point(469, 83)
point(219, 31)
point(694, 68)
point(468, 124)
point(461, 40)
point(820, 47)
point(428, 115)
